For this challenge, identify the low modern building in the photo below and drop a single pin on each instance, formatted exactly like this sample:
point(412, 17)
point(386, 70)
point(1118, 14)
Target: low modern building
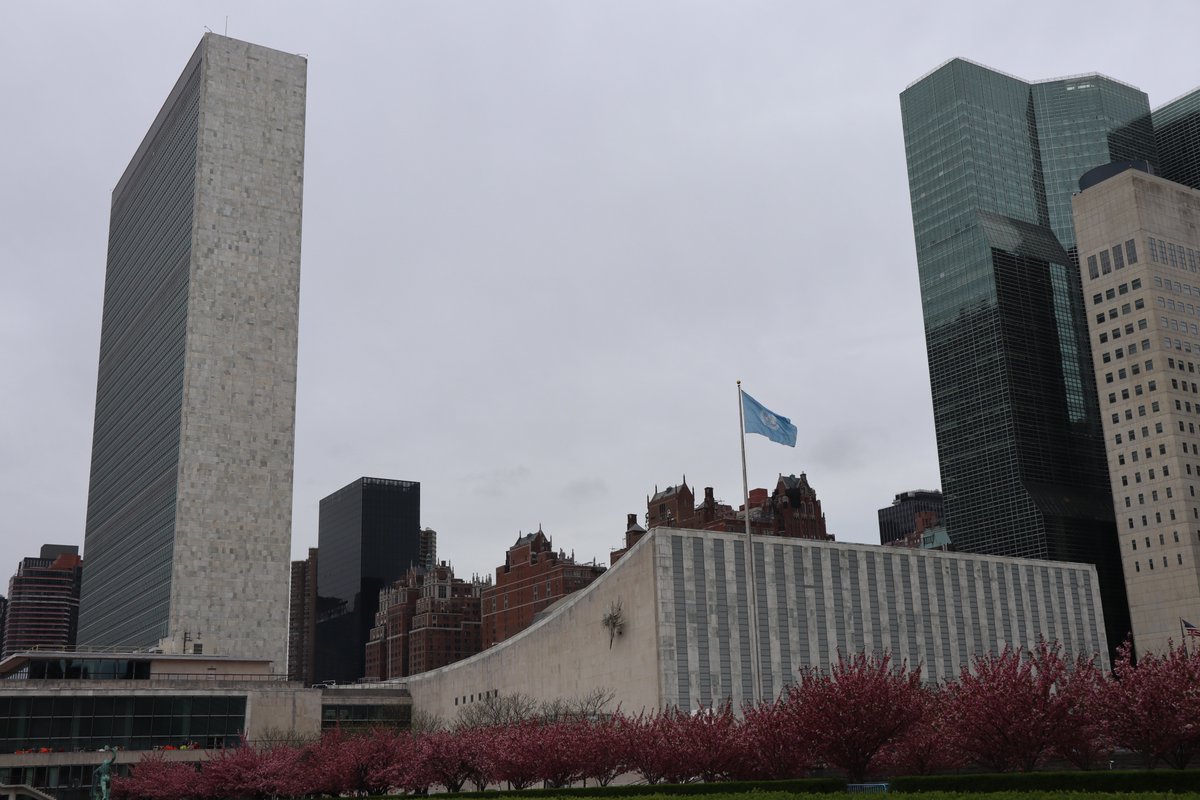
point(59, 709)
point(677, 632)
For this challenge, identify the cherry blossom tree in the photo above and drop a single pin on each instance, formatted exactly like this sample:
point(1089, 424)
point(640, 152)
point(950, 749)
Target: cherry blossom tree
point(1154, 707)
point(155, 778)
point(247, 771)
point(1004, 711)
point(927, 746)
point(773, 744)
point(604, 751)
point(861, 705)
point(447, 757)
point(513, 753)
point(1085, 738)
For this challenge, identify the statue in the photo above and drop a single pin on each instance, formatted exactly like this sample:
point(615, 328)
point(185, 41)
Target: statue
point(102, 777)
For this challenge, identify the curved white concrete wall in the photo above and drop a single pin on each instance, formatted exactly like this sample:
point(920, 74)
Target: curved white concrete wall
point(686, 640)
point(566, 654)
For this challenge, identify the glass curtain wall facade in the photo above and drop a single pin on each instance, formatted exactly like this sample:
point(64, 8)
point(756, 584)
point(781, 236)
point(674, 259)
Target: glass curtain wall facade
point(369, 534)
point(992, 164)
point(130, 528)
point(1177, 131)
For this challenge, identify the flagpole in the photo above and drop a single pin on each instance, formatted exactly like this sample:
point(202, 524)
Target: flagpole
point(751, 593)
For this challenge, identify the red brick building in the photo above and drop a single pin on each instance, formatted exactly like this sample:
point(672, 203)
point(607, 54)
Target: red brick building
point(426, 620)
point(302, 620)
point(533, 577)
point(792, 510)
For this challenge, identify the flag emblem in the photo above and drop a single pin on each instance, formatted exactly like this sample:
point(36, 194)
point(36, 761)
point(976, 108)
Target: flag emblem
point(761, 420)
point(1188, 628)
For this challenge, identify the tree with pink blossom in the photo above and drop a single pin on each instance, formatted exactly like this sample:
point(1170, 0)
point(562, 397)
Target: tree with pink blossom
point(1154, 707)
point(772, 743)
point(1085, 738)
point(927, 745)
point(604, 751)
point(156, 778)
point(1004, 712)
point(860, 706)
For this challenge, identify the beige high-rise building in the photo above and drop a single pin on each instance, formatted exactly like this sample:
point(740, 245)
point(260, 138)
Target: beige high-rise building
point(1139, 251)
point(188, 533)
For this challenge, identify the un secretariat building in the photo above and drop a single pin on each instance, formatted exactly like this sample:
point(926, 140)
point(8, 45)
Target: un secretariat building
point(189, 503)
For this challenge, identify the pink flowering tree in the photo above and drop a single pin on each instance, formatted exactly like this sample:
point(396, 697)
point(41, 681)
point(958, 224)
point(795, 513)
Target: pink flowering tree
point(604, 751)
point(856, 709)
point(248, 771)
point(1004, 710)
point(773, 744)
point(155, 778)
point(1085, 738)
point(513, 753)
point(1154, 707)
point(448, 758)
point(927, 745)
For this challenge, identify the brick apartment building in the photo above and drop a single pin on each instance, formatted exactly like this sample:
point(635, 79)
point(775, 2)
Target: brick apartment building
point(43, 600)
point(426, 620)
point(302, 621)
point(792, 510)
point(532, 578)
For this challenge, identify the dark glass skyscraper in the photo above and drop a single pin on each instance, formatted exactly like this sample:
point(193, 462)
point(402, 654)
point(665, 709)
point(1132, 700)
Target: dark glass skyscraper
point(369, 534)
point(992, 164)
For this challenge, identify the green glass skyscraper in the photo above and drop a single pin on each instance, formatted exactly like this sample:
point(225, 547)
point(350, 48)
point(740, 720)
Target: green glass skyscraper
point(992, 164)
point(1177, 132)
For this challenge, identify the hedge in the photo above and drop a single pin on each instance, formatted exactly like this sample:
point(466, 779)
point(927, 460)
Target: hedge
point(794, 786)
point(1088, 781)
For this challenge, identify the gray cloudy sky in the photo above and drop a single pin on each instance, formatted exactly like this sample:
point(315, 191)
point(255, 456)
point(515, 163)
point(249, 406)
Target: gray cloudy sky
point(541, 242)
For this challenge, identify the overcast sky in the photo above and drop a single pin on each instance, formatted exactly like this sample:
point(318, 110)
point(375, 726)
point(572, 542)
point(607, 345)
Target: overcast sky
point(541, 242)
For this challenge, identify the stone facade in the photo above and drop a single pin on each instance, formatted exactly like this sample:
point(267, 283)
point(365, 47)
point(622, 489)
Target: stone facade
point(215, 559)
point(1139, 243)
point(684, 641)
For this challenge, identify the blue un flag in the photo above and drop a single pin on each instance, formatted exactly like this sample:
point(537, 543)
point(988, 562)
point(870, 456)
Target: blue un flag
point(763, 421)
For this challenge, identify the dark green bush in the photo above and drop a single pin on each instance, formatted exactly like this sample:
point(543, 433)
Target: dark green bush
point(795, 786)
point(1093, 781)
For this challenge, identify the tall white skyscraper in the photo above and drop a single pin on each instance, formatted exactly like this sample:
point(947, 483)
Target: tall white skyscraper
point(189, 504)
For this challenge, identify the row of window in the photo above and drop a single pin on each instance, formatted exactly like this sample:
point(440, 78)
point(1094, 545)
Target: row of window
point(1180, 346)
point(1137, 565)
point(1124, 288)
point(1141, 498)
point(1178, 325)
point(1171, 254)
point(1125, 308)
point(1175, 287)
point(482, 696)
point(1162, 538)
point(1137, 389)
point(1103, 263)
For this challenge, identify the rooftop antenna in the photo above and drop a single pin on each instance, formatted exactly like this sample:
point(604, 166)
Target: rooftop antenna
point(226, 24)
